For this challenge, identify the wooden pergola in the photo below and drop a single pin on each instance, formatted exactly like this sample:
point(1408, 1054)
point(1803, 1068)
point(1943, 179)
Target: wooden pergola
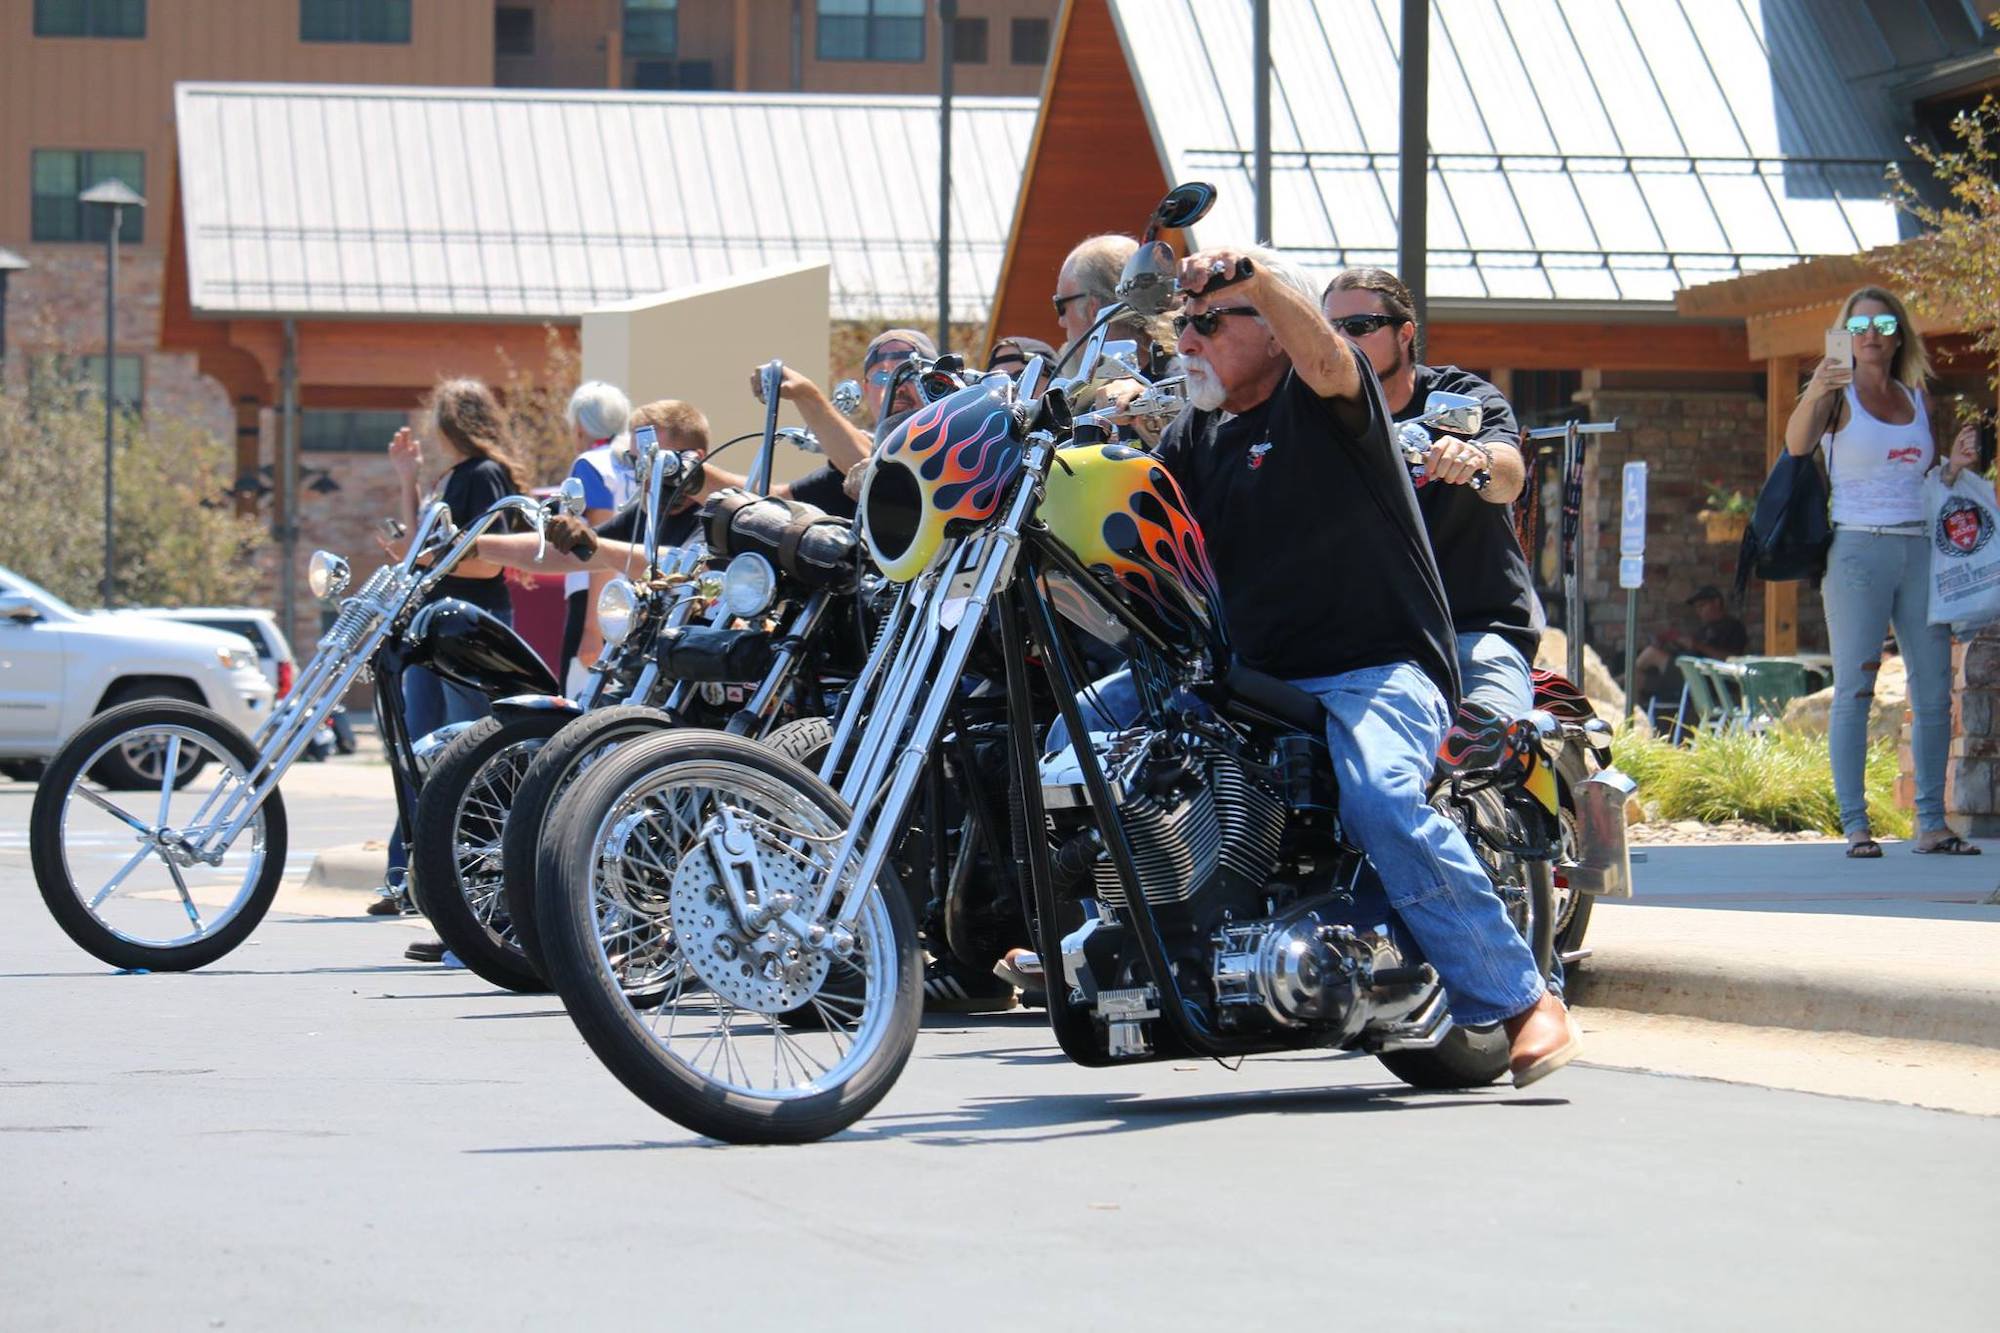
point(1785, 314)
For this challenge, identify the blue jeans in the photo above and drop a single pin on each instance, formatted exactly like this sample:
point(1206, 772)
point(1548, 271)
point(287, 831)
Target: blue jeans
point(1384, 725)
point(1493, 672)
point(1874, 580)
point(429, 702)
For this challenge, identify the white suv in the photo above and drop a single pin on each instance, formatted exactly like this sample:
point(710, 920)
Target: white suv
point(59, 667)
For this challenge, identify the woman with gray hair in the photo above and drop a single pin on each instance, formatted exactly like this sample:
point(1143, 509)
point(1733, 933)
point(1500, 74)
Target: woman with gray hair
point(598, 413)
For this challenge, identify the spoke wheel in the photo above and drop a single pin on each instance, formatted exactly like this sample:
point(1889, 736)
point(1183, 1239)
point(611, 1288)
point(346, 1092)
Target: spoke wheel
point(117, 869)
point(744, 1035)
point(457, 874)
point(555, 767)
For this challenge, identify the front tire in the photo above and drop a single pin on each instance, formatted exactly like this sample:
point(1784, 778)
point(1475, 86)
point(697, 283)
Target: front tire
point(457, 853)
point(112, 880)
point(555, 766)
point(630, 830)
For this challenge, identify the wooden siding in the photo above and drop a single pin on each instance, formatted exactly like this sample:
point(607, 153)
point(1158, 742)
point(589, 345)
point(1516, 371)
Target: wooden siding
point(1093, 168)
point(115, 93)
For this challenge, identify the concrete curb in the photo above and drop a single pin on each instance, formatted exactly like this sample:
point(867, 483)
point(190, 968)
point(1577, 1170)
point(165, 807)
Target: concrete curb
point(357, 868)
point(1921, 980)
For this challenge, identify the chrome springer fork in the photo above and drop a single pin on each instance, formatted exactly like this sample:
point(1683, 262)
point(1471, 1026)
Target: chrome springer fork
point(908, 710)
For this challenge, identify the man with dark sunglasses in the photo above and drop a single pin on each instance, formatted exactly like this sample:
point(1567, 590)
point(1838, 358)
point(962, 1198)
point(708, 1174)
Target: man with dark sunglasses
point(1328, 582)
point(1496, 621)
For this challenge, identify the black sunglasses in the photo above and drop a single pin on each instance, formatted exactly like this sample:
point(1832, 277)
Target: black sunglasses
point(1208, 320)
point(1360, 326)
point(1061, 301)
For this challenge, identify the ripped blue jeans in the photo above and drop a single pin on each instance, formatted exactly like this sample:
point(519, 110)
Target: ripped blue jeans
point(1874, 580)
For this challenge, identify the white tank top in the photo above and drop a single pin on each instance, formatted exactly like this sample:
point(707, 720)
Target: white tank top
point(1878, 469)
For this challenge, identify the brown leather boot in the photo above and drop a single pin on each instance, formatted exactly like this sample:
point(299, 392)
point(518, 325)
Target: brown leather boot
point(1541, 1040)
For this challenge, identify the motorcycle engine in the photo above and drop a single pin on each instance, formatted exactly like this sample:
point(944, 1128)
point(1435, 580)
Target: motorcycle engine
point(1256, 935)
point(1190, 810)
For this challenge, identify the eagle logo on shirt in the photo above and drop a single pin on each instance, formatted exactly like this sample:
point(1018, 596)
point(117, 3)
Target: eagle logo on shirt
point(1257, 452)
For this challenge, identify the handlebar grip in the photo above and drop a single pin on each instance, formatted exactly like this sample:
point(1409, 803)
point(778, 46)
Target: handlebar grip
point(1218, 280)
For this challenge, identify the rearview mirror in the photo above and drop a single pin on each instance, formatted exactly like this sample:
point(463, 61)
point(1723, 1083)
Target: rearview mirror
point(1454, 413)
point(1185, 205)
point(572, 495)
point(1147, 283)
point(847, 397)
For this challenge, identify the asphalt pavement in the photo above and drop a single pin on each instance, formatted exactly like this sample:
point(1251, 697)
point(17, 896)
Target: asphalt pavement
point(313, 1134)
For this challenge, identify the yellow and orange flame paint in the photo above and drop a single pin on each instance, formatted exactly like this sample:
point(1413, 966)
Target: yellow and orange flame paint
point(963, 451)
point(1124, 517)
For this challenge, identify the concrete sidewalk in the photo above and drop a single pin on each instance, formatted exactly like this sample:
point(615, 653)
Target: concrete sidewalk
point(1932, 977)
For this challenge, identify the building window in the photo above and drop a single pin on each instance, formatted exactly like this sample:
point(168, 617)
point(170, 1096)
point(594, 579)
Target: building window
point(1028, 42)
point(652, 27)
point(354, 21)
point(90, 18)
point(81, 380)
point(61, 175)
point(513, 31)
point(870, 30)
point(696, 76)
point(323, 432)
point(968, 42)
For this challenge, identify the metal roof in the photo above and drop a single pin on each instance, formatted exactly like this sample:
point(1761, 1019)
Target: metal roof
point(1582, 150)
point(324, 200)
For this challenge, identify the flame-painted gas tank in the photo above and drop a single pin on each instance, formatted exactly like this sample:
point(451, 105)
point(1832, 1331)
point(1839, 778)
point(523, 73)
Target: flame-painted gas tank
point(939, 474)
point(1124, 517)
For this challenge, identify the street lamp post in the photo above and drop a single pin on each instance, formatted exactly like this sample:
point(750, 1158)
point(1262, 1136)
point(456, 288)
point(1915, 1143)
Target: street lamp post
point(117, 196)
point(9, 263)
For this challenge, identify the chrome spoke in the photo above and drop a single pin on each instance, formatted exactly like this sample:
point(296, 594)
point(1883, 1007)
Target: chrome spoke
point(110, 809)
point(169, 771)
point(187, 899)
point(119, 878)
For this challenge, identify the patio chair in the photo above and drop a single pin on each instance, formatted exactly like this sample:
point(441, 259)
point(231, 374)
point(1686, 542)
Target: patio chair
point(1729, 682)
point(1697, 692)
point(1770, 683)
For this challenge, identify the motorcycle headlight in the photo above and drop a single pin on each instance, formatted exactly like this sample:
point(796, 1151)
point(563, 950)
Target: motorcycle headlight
point(749, 585)
point(617, 607)
point(326, 574)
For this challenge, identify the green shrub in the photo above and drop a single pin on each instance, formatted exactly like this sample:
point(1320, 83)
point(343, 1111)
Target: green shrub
point(1782, 780)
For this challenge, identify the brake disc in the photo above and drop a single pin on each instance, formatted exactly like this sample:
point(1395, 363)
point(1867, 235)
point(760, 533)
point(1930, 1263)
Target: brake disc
point(772, 972)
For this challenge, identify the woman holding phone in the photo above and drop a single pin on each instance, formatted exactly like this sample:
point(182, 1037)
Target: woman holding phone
point(1869, 410)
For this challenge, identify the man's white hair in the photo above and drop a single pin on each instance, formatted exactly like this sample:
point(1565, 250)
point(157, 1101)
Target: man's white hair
point(599, 410)
point(1285, 271)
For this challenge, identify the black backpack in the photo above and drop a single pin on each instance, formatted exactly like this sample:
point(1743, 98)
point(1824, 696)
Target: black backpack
point(1790, 530)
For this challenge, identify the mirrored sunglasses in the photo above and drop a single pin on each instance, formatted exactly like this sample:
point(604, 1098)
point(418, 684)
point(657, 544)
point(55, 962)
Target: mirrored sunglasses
point(1882, 324)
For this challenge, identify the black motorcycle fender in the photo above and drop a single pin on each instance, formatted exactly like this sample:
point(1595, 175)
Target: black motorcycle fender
point(474, 648)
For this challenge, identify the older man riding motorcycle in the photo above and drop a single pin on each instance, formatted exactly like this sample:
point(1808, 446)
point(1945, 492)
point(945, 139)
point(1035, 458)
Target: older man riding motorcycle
point(1328, 581)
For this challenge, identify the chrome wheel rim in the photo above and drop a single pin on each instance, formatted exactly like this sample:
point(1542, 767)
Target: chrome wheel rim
point(637, 849)
point(128, 855)
point(478, 824)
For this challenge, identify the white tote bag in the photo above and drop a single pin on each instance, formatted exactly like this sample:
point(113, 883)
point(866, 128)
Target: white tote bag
point(1965, 558)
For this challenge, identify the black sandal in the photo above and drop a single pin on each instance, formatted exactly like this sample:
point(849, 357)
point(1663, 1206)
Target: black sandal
point(1866, 850)
point(1952, 845)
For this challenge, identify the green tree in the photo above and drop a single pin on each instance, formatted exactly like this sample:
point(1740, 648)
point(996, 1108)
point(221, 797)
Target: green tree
point(1954, 266)
point(179, 540)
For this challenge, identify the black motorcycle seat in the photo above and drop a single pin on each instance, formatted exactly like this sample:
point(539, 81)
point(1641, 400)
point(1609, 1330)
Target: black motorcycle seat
point(1274, 698)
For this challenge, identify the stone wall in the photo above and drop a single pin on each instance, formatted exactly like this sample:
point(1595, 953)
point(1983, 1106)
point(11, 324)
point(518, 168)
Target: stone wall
point(1688, 440)
point(1972, 775)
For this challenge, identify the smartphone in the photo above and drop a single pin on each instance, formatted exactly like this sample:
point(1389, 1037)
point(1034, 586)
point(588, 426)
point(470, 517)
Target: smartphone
point(1840, 348)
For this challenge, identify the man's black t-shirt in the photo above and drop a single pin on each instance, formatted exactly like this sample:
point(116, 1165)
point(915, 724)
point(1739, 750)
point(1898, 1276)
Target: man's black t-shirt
point(623, 526)
point(470, 489)
point(1315, 536)
point(821, 488)
point(1725, 634)
point(1478, 556)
